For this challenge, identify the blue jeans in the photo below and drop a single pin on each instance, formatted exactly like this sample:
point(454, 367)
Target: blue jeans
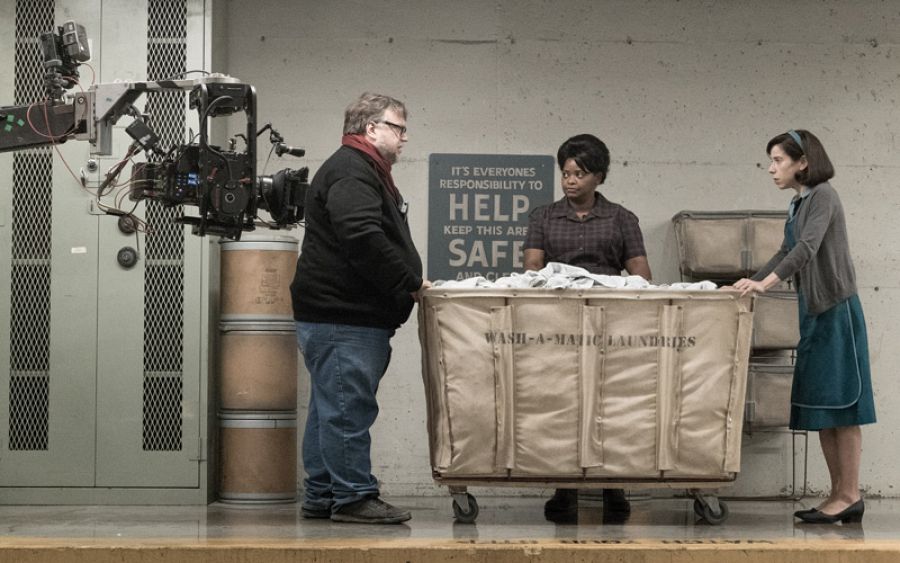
point(345, 365)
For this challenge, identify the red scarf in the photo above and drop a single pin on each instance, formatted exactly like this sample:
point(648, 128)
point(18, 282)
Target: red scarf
point(381, 164)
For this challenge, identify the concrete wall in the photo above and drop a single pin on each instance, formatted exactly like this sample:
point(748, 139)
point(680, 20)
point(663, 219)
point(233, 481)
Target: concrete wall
point(685, 93)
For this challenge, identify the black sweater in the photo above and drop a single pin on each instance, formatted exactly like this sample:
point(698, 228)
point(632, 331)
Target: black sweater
point(358, 264)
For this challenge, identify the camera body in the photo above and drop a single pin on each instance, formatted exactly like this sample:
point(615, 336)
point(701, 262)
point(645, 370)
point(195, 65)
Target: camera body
point(222, 183)
point(229, 205)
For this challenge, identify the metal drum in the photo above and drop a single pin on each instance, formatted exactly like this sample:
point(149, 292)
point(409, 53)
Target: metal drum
point(258, 367)
point(255, 279)
point(258, 457)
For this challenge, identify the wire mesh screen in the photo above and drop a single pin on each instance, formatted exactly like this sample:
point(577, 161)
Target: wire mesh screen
point(29, 381)
point(164, 253)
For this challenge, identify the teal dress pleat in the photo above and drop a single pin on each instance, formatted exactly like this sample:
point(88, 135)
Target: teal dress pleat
point(832, 384)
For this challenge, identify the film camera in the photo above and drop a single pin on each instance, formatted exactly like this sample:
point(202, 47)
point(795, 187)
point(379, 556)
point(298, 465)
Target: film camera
point(222, 183)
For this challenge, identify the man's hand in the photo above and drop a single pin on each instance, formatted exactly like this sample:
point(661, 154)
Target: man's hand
point(417, 295)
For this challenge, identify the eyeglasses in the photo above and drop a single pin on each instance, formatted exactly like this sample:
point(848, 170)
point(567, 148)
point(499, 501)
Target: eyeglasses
point(400, 129)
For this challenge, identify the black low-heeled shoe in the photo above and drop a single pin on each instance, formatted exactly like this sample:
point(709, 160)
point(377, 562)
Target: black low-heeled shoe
point(853, 513)
point(800, 513)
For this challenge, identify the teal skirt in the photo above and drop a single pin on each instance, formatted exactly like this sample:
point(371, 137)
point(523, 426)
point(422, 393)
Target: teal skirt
point(832, 384)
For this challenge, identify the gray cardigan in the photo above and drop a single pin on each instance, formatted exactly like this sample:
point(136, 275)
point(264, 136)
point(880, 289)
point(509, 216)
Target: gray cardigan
point(820, 261)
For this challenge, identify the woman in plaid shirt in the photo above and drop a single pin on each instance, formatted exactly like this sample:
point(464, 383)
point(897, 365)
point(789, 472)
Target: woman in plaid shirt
point(584, 228)
point(587, 230)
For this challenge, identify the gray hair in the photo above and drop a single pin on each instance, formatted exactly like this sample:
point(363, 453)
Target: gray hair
point(369, 107)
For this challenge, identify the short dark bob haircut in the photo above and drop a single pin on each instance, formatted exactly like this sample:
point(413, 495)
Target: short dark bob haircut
point(588, 152)
point(818, 166)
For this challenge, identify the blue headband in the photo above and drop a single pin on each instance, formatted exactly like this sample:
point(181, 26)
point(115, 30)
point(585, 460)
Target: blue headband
point(796, 137)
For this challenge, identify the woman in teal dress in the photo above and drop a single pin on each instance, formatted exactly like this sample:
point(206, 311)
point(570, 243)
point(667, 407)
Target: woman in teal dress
point(832, 390)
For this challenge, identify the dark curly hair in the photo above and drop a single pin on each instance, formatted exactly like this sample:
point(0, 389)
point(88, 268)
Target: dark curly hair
point(588, 152)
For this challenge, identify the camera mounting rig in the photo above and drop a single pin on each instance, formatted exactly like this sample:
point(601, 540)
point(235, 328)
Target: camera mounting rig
point(222, 183)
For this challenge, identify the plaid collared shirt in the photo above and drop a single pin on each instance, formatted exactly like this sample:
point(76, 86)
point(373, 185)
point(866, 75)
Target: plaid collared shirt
point(600, 243)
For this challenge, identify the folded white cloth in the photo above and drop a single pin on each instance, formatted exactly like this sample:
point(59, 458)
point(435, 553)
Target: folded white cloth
point(556, 275)
point(692, 286)
point(528, 279)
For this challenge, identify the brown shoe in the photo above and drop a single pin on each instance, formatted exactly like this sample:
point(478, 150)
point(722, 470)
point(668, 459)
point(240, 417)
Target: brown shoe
point(370, 510)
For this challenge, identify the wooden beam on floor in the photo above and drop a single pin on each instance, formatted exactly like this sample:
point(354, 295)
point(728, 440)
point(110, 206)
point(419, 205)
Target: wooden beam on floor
point(93, 550)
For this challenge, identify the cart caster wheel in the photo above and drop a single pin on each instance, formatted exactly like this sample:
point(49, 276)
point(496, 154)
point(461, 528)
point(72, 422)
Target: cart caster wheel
point(466, 516)
point(706, 512)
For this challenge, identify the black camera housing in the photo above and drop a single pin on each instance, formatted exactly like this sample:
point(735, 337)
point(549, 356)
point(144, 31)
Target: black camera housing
point(62, 52)
point(223, 184)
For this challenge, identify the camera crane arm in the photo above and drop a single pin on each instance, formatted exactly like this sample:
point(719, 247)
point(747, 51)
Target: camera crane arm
point(38, 125)
point(62, 53)
point(89, 116)
point(222, 183)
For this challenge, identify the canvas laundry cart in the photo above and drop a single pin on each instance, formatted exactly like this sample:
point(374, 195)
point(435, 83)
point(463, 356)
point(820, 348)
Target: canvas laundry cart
point(726, 245)
point(729, 245)
point(585, 388)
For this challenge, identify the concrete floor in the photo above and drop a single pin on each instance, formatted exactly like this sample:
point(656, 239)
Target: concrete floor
point(500, 518)
point(503, 521)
